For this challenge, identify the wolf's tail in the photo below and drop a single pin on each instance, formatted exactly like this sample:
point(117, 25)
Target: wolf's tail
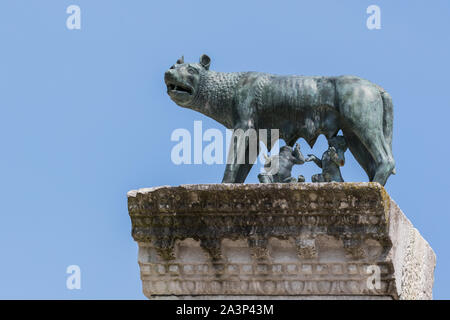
point(388, 120)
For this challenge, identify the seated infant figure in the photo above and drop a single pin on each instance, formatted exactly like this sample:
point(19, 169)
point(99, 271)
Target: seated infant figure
point(279, 167)
point(331, 161)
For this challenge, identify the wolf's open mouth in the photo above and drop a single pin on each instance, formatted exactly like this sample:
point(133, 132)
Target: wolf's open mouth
point(179, 88)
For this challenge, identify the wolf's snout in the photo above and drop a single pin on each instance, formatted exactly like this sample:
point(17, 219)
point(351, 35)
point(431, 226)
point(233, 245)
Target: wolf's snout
point(168, 76)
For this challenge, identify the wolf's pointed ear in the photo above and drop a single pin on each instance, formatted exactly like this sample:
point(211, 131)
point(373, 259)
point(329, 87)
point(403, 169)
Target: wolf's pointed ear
point(181, 60)
point(205, 61)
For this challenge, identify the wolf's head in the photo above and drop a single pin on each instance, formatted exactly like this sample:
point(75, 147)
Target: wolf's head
point(183, 80)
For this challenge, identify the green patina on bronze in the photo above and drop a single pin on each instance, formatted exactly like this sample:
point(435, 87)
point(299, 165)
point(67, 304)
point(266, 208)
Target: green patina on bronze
point(299, 106)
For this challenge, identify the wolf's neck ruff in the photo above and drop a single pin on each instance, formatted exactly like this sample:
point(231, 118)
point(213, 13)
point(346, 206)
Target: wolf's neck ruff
point(215, 94)
point(216, 87)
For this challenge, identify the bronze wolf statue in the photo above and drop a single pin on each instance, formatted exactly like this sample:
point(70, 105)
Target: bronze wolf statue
point(299, 106)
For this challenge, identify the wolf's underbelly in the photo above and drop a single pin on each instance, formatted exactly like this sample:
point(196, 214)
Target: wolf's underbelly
point(300, 107)
point(308, 125)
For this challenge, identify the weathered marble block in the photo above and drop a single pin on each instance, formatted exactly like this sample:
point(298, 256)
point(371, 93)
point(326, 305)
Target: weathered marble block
point(290, 241)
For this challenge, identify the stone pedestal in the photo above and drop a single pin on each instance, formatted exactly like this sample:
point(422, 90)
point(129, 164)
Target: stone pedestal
point(278, 241)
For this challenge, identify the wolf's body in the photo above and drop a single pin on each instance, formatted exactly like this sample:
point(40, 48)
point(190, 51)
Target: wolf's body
point(300, 107)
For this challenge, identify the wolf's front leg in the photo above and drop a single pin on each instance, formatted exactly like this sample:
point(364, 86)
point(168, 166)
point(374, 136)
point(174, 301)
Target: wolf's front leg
point(236, 173)
point(244, 148)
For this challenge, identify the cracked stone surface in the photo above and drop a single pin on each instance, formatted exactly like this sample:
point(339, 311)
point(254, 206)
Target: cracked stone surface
point(296, 241)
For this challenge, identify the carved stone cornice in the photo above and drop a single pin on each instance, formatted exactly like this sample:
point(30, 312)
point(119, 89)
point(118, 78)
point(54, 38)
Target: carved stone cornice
point(275, 239)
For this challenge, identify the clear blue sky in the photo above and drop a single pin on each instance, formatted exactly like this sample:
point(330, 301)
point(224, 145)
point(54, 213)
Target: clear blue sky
point(84, 118)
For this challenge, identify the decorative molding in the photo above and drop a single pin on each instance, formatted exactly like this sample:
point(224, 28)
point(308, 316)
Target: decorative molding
point(277, 240)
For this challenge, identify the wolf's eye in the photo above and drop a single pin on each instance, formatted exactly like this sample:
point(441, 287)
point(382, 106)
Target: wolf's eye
point(192, 71)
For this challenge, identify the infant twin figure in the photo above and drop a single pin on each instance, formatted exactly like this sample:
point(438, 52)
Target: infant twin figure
point(279, 167)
